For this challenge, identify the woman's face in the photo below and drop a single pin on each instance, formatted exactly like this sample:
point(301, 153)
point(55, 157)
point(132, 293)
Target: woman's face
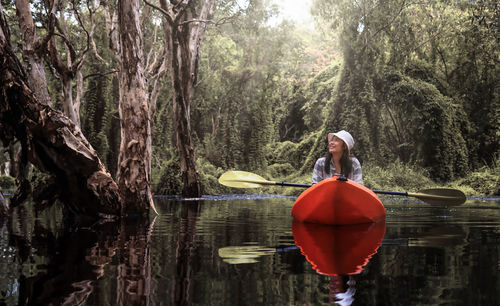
point(335, 144)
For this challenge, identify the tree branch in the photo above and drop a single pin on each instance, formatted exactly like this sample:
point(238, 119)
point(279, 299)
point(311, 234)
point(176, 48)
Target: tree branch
point(164, 12)
point(99, 74)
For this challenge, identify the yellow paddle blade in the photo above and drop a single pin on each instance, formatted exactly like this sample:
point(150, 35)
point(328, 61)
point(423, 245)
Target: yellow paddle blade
point(441, 196)
point(244, 254)
point(243, 179)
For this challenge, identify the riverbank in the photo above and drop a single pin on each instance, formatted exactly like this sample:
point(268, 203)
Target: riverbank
point(396, 177)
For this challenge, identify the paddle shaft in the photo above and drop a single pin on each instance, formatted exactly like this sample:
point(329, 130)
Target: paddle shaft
point(391, 192)
point(264, 182)
point(421, 196)
point(385, 242)
point(416, 195)
point(437, 196)
point(376, 191)
point(292, 184)
point(398, 193)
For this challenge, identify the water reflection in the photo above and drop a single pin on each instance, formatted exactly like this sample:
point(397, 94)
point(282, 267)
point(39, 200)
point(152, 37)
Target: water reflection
point(63, 266)
point(134, 268)
point(246, 253)
point(180, 293)
point(338, 250)
point(421, 255)
point(72, 262)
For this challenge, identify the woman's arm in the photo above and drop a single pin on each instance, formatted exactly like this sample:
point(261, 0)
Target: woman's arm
point(318, 172)
point(357, 173)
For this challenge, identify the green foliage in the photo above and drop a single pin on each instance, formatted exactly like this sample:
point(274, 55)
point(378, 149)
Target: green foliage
point(416, 83)
point(290, 114)
point(7, 182)
point(279, 171)
point(283, 152)
point(354, 107)
point(317, 149)
point(294, 178)
point(210, 178)
point(485, 182)
point(166, 179)
point(396, 176)
point(295, 154)
point(429, 127)
point(319, 93)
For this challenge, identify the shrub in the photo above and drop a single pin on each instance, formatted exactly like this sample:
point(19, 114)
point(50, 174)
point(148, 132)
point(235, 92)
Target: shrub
point(485, 182)
point(166, 179)
point(279, 171)
point(292, 153)
point(209, 175)
point(283, 152)
point(396, 177)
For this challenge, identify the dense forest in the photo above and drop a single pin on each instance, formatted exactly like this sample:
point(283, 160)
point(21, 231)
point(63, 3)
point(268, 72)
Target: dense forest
point(417, 83)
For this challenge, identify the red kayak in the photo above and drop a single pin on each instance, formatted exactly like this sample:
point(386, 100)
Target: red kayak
point(338, 250)
point(338, 202)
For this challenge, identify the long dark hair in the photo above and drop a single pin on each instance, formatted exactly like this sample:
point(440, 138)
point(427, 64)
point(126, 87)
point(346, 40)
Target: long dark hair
point(345, 161)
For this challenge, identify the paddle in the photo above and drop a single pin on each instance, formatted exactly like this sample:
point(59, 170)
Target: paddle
point(435, 196)
point(250, 253)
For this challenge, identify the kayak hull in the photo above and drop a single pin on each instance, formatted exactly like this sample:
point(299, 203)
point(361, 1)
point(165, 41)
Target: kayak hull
point(338, 202)
point(338, 250)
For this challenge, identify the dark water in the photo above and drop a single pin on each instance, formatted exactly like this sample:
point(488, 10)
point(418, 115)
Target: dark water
point(240, 251)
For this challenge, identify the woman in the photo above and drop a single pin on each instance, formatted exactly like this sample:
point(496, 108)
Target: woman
point(338, 159)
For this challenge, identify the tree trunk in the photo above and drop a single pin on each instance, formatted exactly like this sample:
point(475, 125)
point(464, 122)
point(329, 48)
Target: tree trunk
point(52, 142)
point(32, 52)
point(67, 98)
point(134, 161)
point(184, 44)
point(182, 117)
point(68, 69)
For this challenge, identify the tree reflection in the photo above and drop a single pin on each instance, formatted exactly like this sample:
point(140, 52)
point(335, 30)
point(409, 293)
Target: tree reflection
point(74, 260)
point(134, 269)
point(189, 217)
point(65, 265)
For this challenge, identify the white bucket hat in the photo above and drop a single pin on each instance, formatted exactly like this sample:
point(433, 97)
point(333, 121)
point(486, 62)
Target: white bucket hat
point(346, 137)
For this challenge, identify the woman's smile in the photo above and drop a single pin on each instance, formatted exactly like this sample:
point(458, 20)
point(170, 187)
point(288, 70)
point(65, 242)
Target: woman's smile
point(335, 145)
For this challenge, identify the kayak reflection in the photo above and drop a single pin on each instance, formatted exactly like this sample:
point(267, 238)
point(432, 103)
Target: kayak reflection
point(338, 250)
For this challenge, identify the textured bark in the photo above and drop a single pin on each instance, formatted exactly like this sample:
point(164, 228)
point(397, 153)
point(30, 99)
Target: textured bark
point(184, 37)
point(66, 74)
point(69, 69)
point(33, 50)
point(134, 161)
point(51, 141)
